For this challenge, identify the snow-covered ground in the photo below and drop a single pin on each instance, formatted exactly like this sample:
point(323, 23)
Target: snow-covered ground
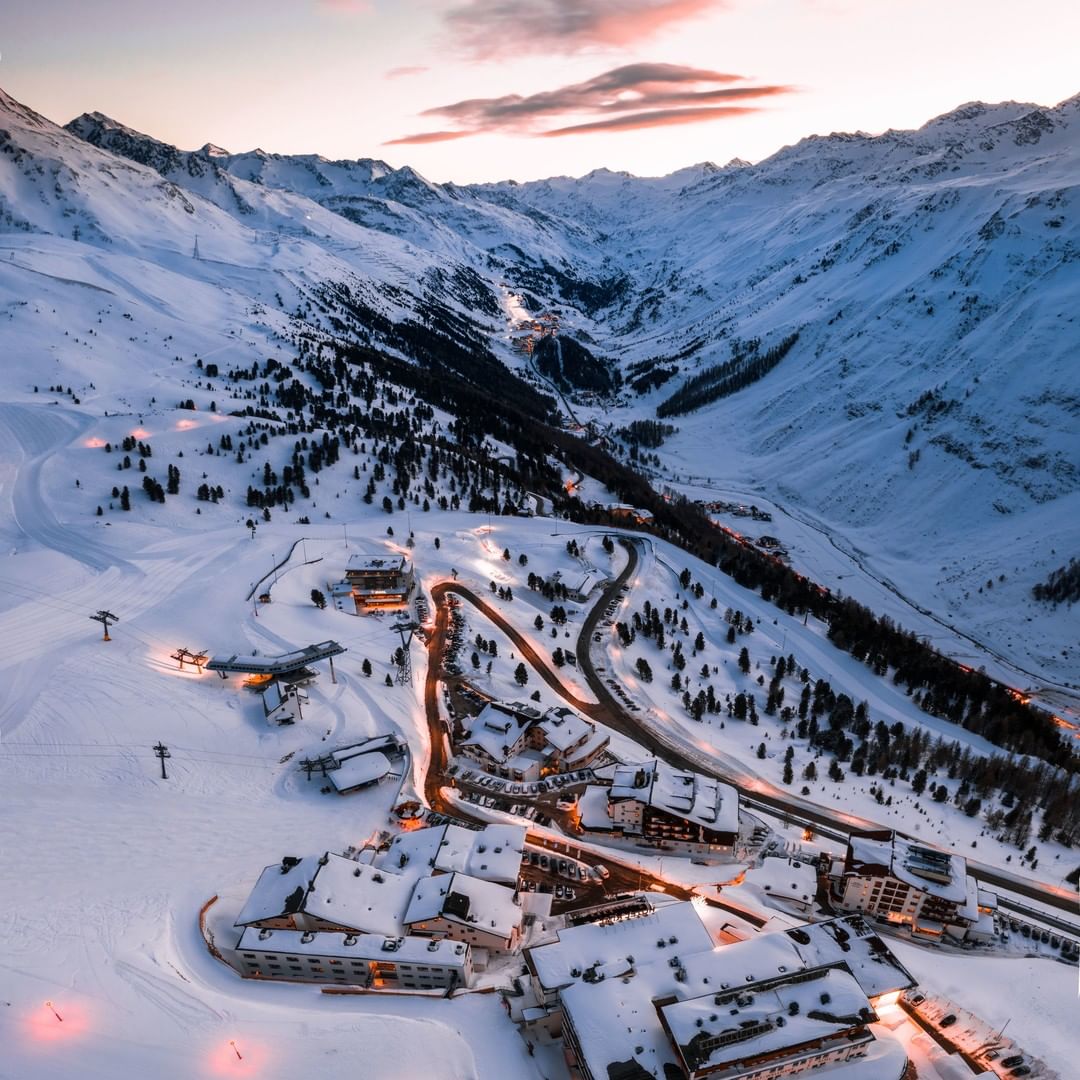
point(104, 308)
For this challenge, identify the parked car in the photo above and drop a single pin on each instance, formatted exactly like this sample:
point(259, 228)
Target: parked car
point(1012, 1062)
point(602, 870)
point(947, 1021)
point(1023, 1070)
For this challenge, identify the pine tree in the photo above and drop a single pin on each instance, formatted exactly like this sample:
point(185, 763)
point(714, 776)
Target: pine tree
point(521, 675)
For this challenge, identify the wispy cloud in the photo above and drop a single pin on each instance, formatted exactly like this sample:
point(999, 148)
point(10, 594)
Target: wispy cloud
point(404, 72)
point(487, 29)
point(429, 137)
point(655, 118)
point(632, 96)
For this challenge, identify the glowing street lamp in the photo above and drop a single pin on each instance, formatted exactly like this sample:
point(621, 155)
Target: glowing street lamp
point(49, 1005)
point(232, 1043)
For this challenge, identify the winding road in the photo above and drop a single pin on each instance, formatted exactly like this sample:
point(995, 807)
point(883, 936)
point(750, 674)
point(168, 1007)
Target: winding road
point(608, 710)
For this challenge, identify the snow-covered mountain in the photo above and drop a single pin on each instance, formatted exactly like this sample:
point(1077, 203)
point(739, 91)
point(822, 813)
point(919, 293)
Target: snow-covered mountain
point(926, 418)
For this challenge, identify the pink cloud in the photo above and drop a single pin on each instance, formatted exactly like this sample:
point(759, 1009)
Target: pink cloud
point(654, 118)
point(404, 72)
point(651, 95)
point(486, 29)
point(429, 137)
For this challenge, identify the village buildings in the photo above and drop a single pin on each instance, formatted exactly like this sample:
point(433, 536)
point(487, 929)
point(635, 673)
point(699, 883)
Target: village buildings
point(656, 804)
point(519, 742)
point(437, 899)
point(645, 992)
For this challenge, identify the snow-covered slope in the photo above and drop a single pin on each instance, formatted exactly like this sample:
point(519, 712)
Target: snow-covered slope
point(926, 418)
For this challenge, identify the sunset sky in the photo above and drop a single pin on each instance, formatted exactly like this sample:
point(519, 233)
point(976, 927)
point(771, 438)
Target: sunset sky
point(470, 90)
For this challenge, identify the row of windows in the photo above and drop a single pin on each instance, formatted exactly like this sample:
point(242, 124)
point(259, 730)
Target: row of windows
point(419, 980)
point(317, 962)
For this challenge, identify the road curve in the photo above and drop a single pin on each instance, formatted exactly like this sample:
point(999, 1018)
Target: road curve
point(608, 710)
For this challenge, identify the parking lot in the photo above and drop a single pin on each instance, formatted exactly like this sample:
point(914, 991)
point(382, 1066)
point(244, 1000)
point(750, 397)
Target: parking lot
point(956, 1029)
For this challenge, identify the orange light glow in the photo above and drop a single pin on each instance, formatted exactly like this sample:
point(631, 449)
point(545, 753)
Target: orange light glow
point(185, 425)
point(56, 1021)
point(95, 443)
point(238, 1057)
point(140, 433)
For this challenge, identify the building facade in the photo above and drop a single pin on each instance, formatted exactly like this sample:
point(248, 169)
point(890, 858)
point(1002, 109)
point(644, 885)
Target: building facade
point(364, 960)
point(379, 582)
point(885, 875)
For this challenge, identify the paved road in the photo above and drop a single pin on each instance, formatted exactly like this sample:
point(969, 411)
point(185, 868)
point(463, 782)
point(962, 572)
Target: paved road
point(609, 711)
point(624, 875)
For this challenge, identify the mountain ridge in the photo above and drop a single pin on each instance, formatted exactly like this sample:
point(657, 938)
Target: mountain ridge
point(928, 273)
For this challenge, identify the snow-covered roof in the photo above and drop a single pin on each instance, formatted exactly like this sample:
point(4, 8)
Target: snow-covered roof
point(592, 807)
point(613, 1010)
point(385, 563)
point(496, 728)
point(360, 769)
point(937, 873)
point(613, 947)
point(716, 1031)
point(479, 905)
point(850, 940)
point(408, 949)
point(700, 799)
point(332, 888)
point(785, 879)
point(280, 890)
point(492, 853)
point(359, 896)
point(564, 728)
point(282, 664)
point(389, 744)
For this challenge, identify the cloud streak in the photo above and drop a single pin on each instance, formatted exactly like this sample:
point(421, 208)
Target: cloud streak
point(632, 96)
point(493, 29)
point(655, 118)
point(429, 137)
